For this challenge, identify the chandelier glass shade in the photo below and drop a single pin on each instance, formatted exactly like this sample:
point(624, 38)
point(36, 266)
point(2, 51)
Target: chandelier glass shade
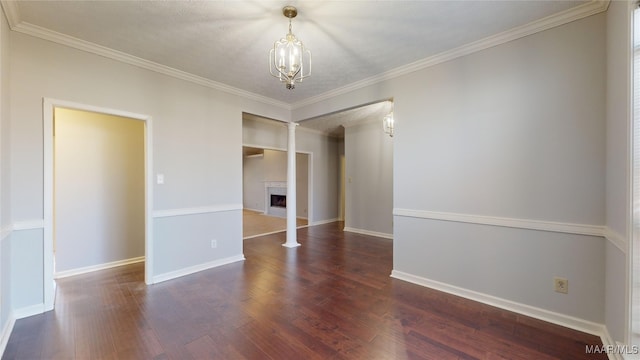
point(289, 61)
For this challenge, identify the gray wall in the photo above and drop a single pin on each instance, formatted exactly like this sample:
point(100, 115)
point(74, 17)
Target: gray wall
point(195, 130)
point(5, 188)
point(252, 185)
point(302, 185)
point(99, 189)
point(513, 132)
point(618, 171)
point(324, 161)
point(369, 178)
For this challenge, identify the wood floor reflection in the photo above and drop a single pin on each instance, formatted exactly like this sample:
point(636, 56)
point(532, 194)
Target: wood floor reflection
point(331, 298)
point(256, 223)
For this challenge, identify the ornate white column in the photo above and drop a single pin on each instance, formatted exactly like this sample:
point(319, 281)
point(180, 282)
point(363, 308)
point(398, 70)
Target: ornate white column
point(292, 237)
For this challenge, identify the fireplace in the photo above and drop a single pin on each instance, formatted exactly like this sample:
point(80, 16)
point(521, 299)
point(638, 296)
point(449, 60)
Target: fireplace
point(275, 198)
point(279, 201)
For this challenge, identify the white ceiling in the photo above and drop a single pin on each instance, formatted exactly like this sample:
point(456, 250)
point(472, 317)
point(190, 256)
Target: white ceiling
point(228, 41)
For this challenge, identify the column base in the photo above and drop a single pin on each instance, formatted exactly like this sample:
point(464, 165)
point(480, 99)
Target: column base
point(287, 245)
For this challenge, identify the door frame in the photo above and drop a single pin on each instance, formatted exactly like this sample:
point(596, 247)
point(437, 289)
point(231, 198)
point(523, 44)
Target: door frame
point(48, 108)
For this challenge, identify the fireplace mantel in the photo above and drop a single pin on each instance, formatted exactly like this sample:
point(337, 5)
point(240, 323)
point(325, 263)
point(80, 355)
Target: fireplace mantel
point(275, 184)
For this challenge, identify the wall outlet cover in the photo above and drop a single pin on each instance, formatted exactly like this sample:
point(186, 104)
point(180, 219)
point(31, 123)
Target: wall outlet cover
point(561, 285)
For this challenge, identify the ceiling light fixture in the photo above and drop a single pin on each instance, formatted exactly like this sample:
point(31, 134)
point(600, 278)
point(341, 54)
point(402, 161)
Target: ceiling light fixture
point(288, 56)
point(387, 124)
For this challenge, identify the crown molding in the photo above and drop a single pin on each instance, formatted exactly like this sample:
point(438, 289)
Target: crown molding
point(576, 13)
point(564, 17)
point(46, 34)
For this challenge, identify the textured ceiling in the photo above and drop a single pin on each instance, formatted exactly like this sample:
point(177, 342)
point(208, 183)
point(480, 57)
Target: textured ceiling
point(334, 124)
point(228, 41)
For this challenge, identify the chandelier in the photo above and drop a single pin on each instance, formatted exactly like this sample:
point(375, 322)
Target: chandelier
point(387, 124)
point(288, 57)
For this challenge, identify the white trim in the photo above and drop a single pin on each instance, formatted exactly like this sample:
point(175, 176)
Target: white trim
point(322, 222)
point(34, 30)
point(529, 224)
point(31, 310)
point(576, 13)
point(196, 210)
point(368, 232)
point(197, 268)
point(531, 311)
point(616, 239)
point(631, 175)
point(92, 268)
point(28, 225)
point(5, 232)
point(264, 147)
point(48, 107)
point(6, 332)
point(607, 342)
point(591, 8)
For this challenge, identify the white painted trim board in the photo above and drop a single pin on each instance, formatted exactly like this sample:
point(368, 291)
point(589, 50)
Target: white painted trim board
point(196, 268)
point(531, 311)
point(92, 268)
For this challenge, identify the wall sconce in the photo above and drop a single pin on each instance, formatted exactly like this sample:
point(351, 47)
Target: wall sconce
point(387, 124)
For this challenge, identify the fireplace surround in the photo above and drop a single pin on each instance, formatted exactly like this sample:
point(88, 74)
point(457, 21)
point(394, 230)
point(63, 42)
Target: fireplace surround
point(275, 198)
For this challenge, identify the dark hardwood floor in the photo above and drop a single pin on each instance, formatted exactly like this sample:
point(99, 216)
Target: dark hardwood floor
point(331, 298)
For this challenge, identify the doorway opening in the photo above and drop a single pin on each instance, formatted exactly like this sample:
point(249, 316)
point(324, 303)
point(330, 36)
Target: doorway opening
point(265, 190)
point(364, 183)
point(98, 191)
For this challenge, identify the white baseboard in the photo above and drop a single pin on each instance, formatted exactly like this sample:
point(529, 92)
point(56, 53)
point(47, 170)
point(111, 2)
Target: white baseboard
point(197, 268)
point(367, 232)
point(88, 269)
point(6, 333)
point(607, 342)
point(265, 234)
point(322, 222)
point(531, 311)
point(27, 311)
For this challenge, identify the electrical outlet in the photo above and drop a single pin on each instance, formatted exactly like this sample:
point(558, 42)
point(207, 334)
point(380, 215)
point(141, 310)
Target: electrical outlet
point(561, 285)
point(214, 244)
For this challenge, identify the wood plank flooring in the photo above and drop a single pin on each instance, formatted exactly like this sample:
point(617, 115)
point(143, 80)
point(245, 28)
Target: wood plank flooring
point(331, 298)
point(257, 223)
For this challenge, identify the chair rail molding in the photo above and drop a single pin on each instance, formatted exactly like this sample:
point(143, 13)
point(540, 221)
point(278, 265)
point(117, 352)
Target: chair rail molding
point(529, 224)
